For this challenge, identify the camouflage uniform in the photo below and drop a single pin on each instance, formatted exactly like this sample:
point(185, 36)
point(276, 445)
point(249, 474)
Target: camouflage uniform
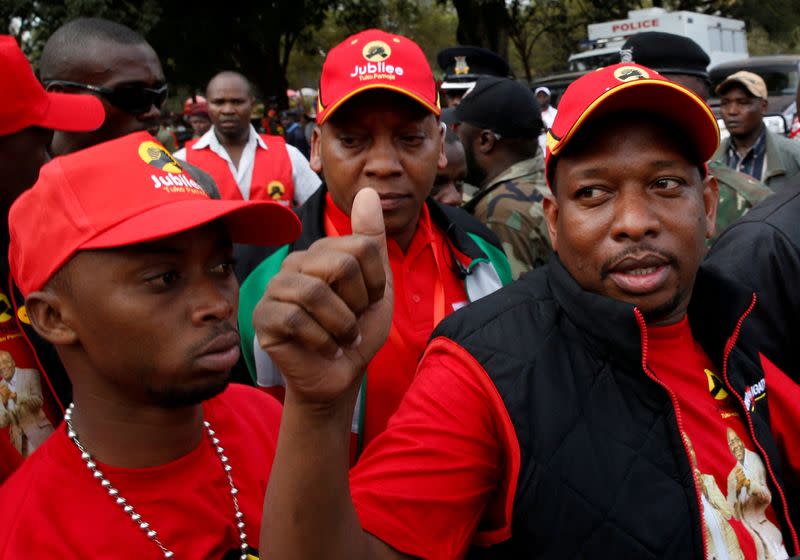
point(737, 194)
point(511, 206)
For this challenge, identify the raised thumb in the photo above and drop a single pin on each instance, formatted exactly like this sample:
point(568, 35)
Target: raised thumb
point(366, 217)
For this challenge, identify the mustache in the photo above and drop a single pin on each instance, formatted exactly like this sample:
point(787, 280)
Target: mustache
point(223, 328)
point(611, 262)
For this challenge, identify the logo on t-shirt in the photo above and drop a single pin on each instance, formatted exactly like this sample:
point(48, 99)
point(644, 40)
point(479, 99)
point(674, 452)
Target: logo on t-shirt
point(715, 386)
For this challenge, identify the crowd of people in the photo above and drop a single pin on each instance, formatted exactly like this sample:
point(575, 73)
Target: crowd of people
point(429, 320)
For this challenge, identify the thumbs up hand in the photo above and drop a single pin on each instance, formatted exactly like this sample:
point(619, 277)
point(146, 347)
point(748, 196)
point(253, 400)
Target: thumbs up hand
point(329, 309)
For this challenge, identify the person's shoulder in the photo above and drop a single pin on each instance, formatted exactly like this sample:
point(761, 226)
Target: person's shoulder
point(753, 190)
point(444, 217)
point(786, 144)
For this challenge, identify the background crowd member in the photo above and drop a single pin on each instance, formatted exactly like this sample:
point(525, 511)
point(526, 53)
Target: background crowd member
point(560, 406)
point(683, 61)
point(448, 187)
point(462, 66)
point(295, 133)
point(751, 148)
point(28, 116)
point(499, 125)
point(247, 165)
point(199, 119)
point(118, 66)
point(548, 113)
point(383, 133)
point(137, 294)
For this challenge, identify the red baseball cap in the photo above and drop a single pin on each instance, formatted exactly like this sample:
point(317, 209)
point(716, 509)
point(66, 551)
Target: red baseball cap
point(126, 191)
point(25, 103)
point(375, 59)
point(630, 87)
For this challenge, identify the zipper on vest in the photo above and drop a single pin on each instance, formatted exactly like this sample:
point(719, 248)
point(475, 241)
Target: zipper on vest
point(676, 407)
point(728, 349)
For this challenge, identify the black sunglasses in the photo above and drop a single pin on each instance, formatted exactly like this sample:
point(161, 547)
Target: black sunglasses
point(134, 99)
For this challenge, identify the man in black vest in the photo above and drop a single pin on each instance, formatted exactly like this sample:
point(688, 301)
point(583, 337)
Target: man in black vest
point(604, 406)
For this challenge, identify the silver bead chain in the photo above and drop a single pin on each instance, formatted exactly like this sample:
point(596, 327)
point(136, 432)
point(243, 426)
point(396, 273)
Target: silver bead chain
point(128, 509)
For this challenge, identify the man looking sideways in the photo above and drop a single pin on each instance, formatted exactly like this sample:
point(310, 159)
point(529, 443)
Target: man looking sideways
point(378, 128)
point(550, 419)
point(137, 293)
point(28, 116)
point(244, 164)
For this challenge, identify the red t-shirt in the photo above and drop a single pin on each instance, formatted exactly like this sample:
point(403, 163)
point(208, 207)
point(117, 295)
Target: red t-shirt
point(28, 410)
point(53, 507)
point(730, 474)
point(443, 475)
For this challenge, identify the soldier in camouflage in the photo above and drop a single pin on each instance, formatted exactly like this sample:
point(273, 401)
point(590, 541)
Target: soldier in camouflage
point(499, 123)
point(682, 60)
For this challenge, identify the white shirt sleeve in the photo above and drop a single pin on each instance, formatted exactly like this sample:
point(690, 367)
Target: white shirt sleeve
point(306, 182)
point(180, 154)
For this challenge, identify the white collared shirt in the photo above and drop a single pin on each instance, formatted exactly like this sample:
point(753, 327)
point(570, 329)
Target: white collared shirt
point(548, 116)
point(304, 179)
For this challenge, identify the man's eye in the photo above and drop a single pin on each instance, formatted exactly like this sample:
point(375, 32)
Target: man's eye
point(348, 141)
point(668, 183)
point(413, 139)
point(225, 269)
point(587, 192)
point(165, 280)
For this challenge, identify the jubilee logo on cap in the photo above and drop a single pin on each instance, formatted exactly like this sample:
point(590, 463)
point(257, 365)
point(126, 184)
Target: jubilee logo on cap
point(630, 73)
point(175, 181)
point(376, 53)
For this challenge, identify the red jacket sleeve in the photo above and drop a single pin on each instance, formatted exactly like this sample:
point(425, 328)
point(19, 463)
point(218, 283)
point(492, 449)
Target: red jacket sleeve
point(443, 474)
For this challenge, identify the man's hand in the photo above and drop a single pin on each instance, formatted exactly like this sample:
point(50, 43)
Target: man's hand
point(329, 309)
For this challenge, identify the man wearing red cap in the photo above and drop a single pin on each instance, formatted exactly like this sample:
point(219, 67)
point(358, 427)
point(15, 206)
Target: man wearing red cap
point(378, 128)
point(556, 417)
point(157, 456)
point(28, 116)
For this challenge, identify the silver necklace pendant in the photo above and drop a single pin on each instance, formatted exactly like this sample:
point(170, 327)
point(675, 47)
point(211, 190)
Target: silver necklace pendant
point(148, 531)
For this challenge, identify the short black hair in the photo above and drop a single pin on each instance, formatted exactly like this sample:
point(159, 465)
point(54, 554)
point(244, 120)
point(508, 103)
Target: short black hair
point(67, 44)
point(232, 74)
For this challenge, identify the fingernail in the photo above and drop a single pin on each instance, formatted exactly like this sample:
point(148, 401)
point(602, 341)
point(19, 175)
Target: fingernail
point(356, 342)
point(339, 354)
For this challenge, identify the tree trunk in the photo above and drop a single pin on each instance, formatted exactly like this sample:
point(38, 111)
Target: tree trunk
point(483, 23)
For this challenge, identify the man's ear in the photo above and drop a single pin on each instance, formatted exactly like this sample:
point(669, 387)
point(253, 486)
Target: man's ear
point(550, 209)
point(710, 202)
point(315, 159)
point(46, 313)
point(488, 139)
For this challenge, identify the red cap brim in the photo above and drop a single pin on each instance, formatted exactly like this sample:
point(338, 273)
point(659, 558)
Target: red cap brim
point(249, 222)
point(72, 112)
point(326, 113)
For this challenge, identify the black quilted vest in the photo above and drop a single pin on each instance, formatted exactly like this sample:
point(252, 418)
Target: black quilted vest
point(604, 473)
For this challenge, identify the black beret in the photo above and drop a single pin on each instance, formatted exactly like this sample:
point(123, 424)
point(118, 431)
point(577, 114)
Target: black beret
point(468, 63)
point(667, 53)
point(503, 106)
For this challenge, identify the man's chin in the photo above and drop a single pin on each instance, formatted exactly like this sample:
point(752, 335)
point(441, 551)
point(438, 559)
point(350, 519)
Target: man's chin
point(190, 394)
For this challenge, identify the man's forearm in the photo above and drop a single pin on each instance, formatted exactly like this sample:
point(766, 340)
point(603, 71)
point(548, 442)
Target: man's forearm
point(308, 511)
